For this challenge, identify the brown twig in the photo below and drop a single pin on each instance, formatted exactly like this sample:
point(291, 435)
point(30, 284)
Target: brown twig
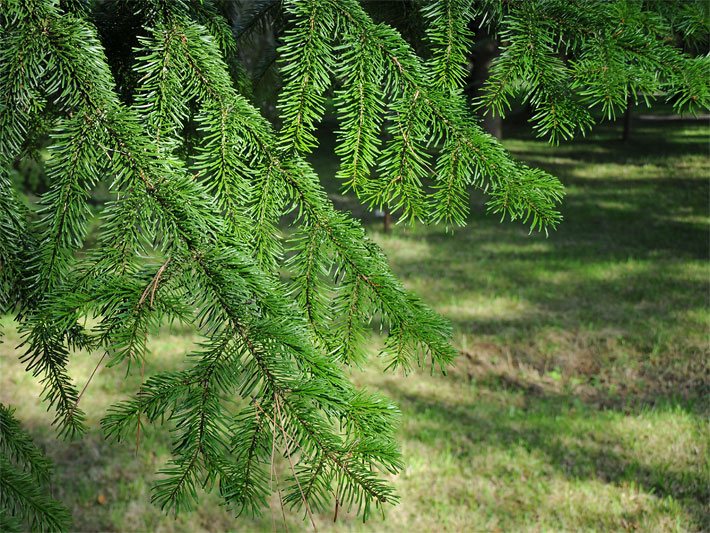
point(271, 479)
point(293, 469)
point(273, 421)
point(153, 285)
point(138, 425)
point(76, 404)
point(275, 474)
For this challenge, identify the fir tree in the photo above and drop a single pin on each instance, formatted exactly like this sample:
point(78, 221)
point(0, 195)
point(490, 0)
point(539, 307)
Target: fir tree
point(200, 181)
point(568, 58)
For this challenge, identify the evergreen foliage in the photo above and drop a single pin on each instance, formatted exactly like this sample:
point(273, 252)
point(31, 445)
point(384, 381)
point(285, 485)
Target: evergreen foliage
point(566, 58)
point(24, 476)
point(200, 181)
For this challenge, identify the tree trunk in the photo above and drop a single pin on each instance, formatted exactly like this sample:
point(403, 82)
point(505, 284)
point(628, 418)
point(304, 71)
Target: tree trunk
point(626, 135)
point(493, 125)
point(483, 56)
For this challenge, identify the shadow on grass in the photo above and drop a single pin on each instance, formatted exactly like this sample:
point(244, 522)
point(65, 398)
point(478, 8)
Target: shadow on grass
point(557, 428)
point(107, 485)
point(641, 310)
point(628, 266)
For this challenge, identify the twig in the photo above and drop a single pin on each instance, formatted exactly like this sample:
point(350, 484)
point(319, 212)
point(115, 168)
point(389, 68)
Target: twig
point(76, 404)
point(138, 425)
point(271, 479)
point(153, 285)
point(276, 475)
point(288, 455)
point(273, 467)
point(273, 421)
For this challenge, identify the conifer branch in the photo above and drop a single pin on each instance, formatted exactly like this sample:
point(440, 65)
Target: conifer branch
point(451, 40)
point(17, 446)
point(404, 163)
point(290, 461)
point(21, 72)
point(295, 175)
point(350, 306)
point(306, 63)
point(14, 239)
point(360, 111)
point(567, 57)
point(72, 172)
point(491, 162)
point(47, 356)
point(161, 97)
point(311, 265)
point(24, 472)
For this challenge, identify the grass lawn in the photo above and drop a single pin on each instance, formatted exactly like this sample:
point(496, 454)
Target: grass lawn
point(580, 400)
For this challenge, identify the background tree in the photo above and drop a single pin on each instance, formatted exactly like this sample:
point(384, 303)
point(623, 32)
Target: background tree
point(638, 48)
point(568, 59)
point(199, 181)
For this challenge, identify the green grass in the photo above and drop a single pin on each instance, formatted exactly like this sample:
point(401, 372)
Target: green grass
point(580, 401)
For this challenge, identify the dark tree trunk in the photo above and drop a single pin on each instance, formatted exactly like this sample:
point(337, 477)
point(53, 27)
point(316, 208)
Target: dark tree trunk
point(387, 220)
point(493, 125)
point(484, 54)
point(626, 135)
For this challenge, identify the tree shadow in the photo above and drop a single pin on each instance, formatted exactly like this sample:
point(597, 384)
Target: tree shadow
point(644, 307)
point(107, 485)
point(626, 266)
point(576, 454)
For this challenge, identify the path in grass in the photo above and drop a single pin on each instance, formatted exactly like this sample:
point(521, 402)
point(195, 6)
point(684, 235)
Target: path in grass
point(580, 399)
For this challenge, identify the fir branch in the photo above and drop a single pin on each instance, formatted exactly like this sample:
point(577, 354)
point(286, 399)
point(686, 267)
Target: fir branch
point(243, 483)
point(318, 209)
point(265, 198)
point(562, 55)
point(311, 266)
point(290, 460)
point(72, 172)
point(22, 66)
point(9, 523)
point(407, 74)
point(404, 162)
point(158, 395)
point(362, 258)
point(350, 473)
point(21, 496)
point(306, 62)
point(14, 238)
point(47, 356)
point(350, 306)
point(24, 469)
point(213, 18)
point(360, 111)
point(220, 162)
point(130, 309)
point(17, 446)
point(451, 40)
point(162, 97)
